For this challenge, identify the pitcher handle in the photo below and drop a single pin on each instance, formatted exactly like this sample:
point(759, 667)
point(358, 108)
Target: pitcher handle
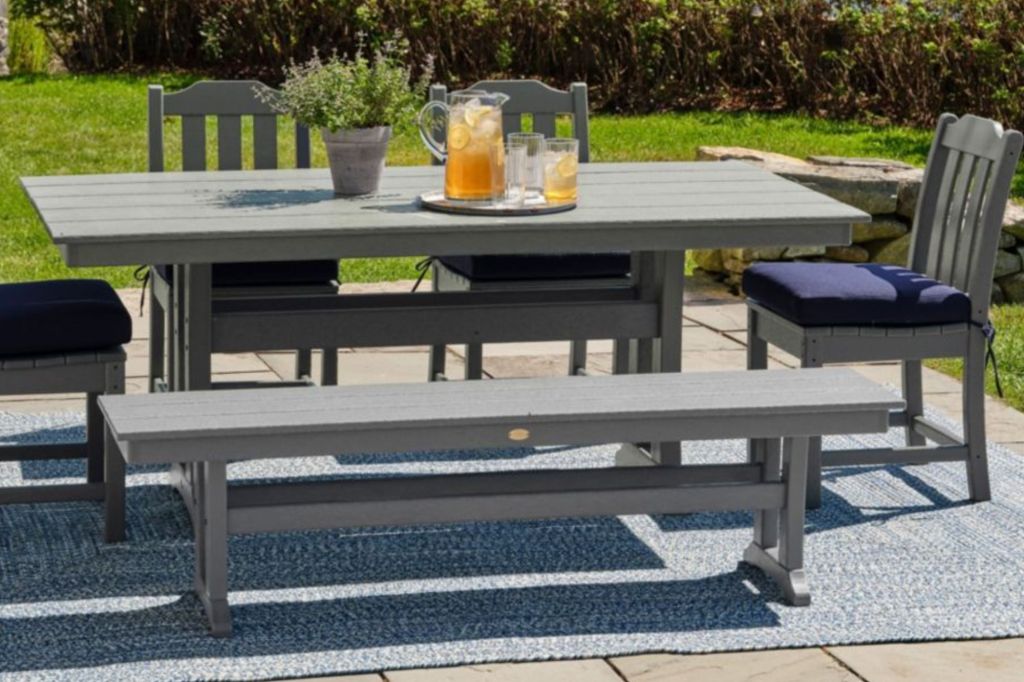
point(427, 125)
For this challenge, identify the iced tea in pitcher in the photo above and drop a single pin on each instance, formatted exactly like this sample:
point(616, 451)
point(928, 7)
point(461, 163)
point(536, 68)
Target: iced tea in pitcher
point(474, 152)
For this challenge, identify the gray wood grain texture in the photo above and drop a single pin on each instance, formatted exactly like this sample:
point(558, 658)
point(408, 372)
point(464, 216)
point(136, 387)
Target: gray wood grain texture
point(303, 410)
point(263, 215)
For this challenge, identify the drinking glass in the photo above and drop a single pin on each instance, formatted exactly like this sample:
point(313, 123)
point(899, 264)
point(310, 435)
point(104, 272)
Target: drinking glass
point(534, 143)
point(515, 174)
point(561, 163)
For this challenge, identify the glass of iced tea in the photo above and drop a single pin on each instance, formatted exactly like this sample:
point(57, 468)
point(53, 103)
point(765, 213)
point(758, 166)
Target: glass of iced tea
point(561, 163)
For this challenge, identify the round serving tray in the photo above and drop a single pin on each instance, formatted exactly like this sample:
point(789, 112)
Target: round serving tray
point(535, 204)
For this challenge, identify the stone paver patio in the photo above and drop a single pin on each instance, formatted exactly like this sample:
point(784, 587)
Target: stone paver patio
point(713, 339)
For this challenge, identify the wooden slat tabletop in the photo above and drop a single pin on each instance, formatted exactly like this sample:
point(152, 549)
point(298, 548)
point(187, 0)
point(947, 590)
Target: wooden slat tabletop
point(203, 217)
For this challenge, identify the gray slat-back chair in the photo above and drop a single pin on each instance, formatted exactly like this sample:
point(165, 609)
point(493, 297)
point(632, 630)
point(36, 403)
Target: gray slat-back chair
point(229, 101)
point(544, 104)
point(88, 358)
point(959, 216)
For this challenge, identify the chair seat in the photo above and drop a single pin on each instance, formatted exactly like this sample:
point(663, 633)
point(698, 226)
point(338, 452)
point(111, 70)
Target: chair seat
point(271, 273)
point(844, 294)
point(546, 266)
point(61, 316)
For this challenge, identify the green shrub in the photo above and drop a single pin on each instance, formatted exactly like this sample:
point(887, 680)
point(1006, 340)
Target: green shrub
point(900, 61)
point(29, 51)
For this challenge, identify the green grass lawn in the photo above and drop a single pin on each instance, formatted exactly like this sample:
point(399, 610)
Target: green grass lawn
point(96, 124)
point(1009, 346)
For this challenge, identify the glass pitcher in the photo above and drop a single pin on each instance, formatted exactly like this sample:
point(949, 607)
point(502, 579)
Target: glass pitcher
point(474, 150)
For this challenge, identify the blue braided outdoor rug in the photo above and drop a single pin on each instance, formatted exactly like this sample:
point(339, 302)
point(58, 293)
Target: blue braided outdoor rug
point(894, 554)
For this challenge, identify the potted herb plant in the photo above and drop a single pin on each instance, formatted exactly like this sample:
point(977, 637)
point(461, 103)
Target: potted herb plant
point(354, 102)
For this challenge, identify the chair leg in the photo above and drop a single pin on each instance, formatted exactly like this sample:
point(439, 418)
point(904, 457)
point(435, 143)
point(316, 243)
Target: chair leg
point(577, 357)
point(913, 394)
point(974, 418)
point(303, 363)
point(620, 356)
point(438, 353)
point(329, 367)
point(436, 362)
point(157, 340)
point(93, 439)
point(474, 361)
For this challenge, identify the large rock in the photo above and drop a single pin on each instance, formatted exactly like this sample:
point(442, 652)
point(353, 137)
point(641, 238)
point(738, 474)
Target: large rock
point(756, 253)
point(709, 259)
point(1013, 287)
point(1007, 240)
point(804, 252)
point(854, 162)
point(1013, 220)
point(747, 154)
point(1007, 263)
point(882, 227)
point(909, 189)
point(890, 252)
point(848, 254)
point(735, 265)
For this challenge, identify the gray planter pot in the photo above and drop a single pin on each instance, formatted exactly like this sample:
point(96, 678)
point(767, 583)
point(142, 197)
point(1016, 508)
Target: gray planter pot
point(356, 158)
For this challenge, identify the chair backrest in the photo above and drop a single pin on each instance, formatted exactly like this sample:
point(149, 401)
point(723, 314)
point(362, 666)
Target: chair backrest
point(542, 102)
point(229, 101)
point(960, 208)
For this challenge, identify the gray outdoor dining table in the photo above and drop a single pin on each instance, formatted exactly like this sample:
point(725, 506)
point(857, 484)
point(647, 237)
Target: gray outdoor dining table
point(656, 211)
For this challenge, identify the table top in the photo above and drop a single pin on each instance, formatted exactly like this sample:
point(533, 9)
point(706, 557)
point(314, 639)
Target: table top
point(220, 216)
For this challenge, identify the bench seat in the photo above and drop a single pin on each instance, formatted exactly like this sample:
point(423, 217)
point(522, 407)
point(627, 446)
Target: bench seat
point(779, 410)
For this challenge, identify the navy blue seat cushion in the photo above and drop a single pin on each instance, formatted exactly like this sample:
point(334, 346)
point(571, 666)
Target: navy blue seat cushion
point(272, 273)
point(844, 294)
point(546, 266)
point(61, 316)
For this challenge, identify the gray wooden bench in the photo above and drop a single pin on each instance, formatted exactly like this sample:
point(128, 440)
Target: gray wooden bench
point(208, 429)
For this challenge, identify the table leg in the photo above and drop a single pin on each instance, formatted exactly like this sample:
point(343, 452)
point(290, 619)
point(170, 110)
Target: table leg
point(668, 347)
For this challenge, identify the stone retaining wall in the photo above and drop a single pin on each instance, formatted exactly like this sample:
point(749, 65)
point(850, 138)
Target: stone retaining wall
point(887, 190)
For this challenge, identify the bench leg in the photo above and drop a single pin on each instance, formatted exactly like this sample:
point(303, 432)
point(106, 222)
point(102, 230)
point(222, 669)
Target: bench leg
point(785, 563)
point(113, 498)
point(212, 547)
point(620, 356)
point(765, 451)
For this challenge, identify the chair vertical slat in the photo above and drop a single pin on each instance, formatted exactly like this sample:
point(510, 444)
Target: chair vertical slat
point(581, 119)
point(264, 141)
point(303, 151)
point(193, 143)
point(545, 124)
point(953, 226)
point(155, 128)
point(927, 200)
point(969, 236)
point(938, 222)
point(229, 142)
point(512, 123)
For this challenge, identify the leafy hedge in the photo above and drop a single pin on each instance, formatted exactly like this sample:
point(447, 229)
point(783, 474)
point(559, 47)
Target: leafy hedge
point(897, 60)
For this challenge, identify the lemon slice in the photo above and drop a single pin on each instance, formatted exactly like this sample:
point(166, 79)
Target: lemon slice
point(567, 167)
point(474, 114)
point(458, 136)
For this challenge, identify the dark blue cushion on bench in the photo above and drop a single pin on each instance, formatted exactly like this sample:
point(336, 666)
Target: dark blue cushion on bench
point(272, 273)
point(844, 294)
point(62, 316)
point(546, 266)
